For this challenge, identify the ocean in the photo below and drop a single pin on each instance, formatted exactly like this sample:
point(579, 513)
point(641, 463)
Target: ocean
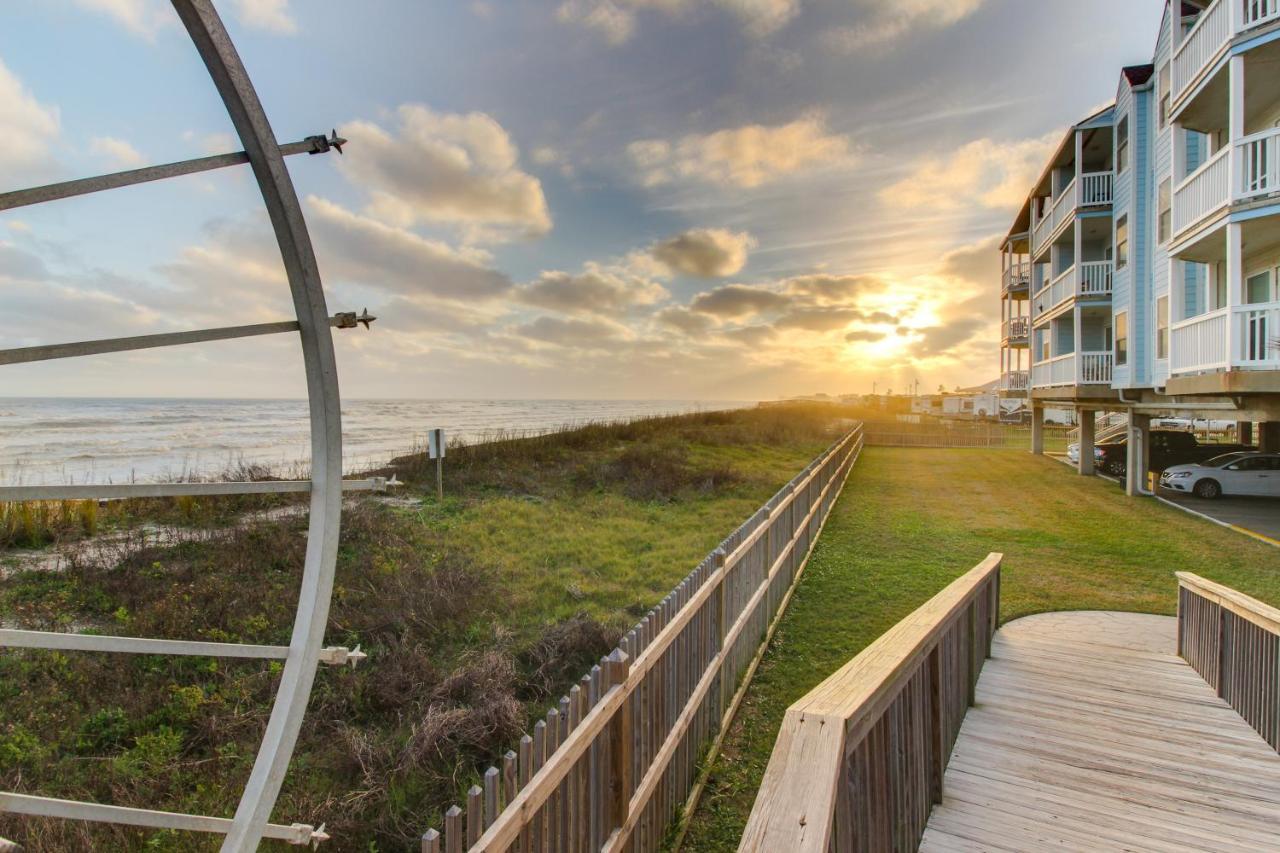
point(50, 440)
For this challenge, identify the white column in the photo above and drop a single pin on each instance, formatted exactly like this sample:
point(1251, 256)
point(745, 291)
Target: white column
point(1037, 429)
point(1236, 124)
point(1138, 454)
point(1078, 333)
point(1079, 175)
point(1235, 287)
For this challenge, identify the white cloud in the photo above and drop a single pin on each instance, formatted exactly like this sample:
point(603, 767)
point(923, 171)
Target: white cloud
point(744, 157)
point(615, 20)
point(117, 153)
point(141, 17)
point(597, 289)
point(705, 252)
point(888, 22)
point(30, 129)
point(595, 333)
point(446, 168)
point(984, 173)
point(363, 251)
point(267, 15)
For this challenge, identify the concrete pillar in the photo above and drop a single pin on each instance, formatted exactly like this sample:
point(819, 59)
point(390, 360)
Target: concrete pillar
point(1037, 429)
point(1137, 454)
point(1269, 436)
point(1085, 464)
point(1244, 432)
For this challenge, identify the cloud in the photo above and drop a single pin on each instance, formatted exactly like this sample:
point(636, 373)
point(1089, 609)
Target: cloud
point(141, 17)
point(446, 168)
point(886, 23)
point(31, 129)
point(270, 16)
point(589, 334)
point(835, 289)
point(734, 301)
point(681, 319)
point(118, 153)
point(615, 20)
point(943, 339)
point(983, 173)
point(977, 264)
point(705, 252)
point(364, 251)
point(743, 157)
point(865, 336)
point(597, 289)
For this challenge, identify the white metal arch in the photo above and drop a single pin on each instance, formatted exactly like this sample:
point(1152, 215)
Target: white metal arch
point(313, 324)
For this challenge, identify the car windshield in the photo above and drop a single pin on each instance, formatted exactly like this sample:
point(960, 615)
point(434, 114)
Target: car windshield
point(1223, 460)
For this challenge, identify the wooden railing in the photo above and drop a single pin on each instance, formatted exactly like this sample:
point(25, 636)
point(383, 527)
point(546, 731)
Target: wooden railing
point(614, 763)
point(858, 765)
point(1233, 641)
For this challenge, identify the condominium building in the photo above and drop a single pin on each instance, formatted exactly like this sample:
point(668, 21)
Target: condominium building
point(1144, 267)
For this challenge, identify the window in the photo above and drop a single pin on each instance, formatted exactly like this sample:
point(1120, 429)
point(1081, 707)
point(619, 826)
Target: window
point(1122, 338)
point(1122, 145)
point(1122, 242)
point(1164, 96)
point(1166, 209)
point(1258, 288)
point(1162, 327)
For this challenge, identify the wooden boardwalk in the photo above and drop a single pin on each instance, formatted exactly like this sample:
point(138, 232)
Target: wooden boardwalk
point(1089, 733)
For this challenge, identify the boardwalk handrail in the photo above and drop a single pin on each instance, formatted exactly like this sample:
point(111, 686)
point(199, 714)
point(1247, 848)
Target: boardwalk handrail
point(612, 764)
point(1233, 642)
point(859, 761)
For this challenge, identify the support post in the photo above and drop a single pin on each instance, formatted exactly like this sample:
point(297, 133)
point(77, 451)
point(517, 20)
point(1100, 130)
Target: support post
point(1138, 454)
point(1235, 283)
point(620, 739)
point(1244, 432)
point(1085, 464)
point(1269, 436)
point(1037, 429)
point(722, 628)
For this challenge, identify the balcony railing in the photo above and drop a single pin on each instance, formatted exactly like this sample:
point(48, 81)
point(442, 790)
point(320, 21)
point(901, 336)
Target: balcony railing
point(1091, 368)
point(1213, 31)
point(1089, 280)
point(1015, 381)
point(1092, 189)
point(1017, 276)
point(1245, 170)
point(1244, 337)
point(1017, 328)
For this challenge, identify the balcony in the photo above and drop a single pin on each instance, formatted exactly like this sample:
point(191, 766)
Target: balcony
point(1015, 382)
point(1015, 331)
point(1206, 343)
point(1089, 280)
point(1209, 39)
point(1089, 368)
point(1092, 189)
point(1017, 277)
point(1244, 171)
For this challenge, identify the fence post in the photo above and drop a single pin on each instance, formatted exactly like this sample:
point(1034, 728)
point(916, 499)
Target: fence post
point(937, 718)
point(620, 733)
point(722, 626)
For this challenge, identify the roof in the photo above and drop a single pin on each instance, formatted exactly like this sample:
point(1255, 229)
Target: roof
point(1137, 75)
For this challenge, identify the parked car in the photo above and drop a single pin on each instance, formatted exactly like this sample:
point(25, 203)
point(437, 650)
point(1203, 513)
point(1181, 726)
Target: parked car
point(1248, 473)
point(1107, 435)
point(1168, 448)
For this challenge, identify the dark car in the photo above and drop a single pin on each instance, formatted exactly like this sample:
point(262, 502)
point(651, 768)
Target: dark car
point(1168, 448)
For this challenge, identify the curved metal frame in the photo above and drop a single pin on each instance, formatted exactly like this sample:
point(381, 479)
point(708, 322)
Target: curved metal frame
point(305, 650)
point(250, 121)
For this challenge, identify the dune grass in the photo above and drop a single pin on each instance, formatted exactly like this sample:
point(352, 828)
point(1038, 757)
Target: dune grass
point(476, 612)
point(908, 523)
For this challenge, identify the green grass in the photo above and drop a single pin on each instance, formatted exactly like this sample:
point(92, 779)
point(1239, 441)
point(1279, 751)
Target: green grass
point(909, 522)
point(477, 612)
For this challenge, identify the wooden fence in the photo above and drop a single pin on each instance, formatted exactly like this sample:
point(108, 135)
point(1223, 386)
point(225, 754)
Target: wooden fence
point(1233, 641)
point(611, 765)
point(957, 434)
point(858, 765)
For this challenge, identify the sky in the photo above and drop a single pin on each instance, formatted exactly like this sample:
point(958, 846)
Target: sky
point(658, 199)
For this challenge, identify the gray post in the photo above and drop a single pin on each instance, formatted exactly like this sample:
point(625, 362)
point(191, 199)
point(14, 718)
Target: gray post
point(1037, 430)
point(1244, 432)
point(1138, 454)
point(1269, 436)
point(1085, 464)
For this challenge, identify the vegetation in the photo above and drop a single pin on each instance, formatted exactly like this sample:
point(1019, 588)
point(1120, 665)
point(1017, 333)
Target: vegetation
point(476, 612)
point(909, 522)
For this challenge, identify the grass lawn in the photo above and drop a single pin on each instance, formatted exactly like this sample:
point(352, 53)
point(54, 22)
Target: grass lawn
point(909, 522)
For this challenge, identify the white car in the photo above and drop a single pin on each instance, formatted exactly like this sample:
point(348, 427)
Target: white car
point(1250, 473)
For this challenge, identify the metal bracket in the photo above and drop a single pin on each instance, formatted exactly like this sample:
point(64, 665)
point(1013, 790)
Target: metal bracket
point(319, 144)
point(350, 319)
